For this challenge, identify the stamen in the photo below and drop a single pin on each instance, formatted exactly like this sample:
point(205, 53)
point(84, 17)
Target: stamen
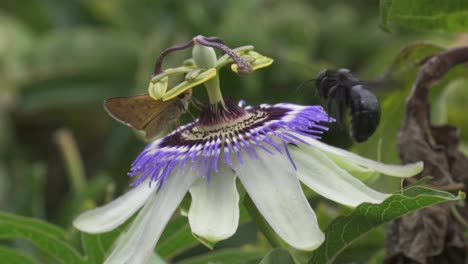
point(194, 158)
point(295, 138)
point(260, 145)
point(184, 160)
point(226, 157)
point(246, 148)
point(250, 146)
point(286, 149)
point(217, 154)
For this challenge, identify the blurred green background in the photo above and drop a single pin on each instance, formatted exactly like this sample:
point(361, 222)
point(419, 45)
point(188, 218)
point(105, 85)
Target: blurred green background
point(61, 153)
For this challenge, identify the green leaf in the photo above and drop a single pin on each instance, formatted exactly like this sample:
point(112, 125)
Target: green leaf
point(409, 57)
point(49, 238)
point(29, 197)
point(12, 256)
point(364, 247)
point(278, 256)
point(345, 229)
point(95, 252)
point(442, 16)
point(227, 256)
point(177, 236)
point(97, 246)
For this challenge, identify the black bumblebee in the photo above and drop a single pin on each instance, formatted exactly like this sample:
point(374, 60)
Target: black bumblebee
point(348, 91)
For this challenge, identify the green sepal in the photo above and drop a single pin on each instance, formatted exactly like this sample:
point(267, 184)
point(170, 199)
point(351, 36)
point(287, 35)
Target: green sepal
point(158, 89)
point(202, 77)
point(172, 71)
point(225, 59)
point(257, 61)
point(205, 241)
point(192, 75)
point(189, 63)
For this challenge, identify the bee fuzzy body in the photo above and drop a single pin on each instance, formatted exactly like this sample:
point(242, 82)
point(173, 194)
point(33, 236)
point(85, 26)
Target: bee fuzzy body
point(347, 91)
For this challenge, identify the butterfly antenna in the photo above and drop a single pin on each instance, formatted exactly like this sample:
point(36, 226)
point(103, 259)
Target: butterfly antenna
point(302, 84)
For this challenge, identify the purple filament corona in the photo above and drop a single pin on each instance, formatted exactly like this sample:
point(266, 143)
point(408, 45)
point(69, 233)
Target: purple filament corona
point(222, 134)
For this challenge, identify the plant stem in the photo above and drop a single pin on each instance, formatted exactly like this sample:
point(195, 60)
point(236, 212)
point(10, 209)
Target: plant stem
point(67, 145)
point(205, 58)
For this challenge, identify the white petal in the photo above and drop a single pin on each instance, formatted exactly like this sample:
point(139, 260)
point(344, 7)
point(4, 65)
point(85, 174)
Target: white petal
point(115, 213)
point(323, 176)
point(137, 244)
point(214, 211)
point(402, 171)
point(273, 186)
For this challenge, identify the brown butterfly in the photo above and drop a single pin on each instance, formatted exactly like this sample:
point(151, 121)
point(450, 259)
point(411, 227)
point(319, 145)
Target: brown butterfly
point(144, 113)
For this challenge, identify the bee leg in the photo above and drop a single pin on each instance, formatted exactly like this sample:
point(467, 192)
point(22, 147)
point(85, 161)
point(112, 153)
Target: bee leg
point(342, 102)
point(341, 113)
point(329, 97)
point(329, 107)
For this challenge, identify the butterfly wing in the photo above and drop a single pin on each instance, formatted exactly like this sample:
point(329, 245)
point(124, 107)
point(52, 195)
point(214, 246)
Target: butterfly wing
point(169, 114)
point(155, 126)
point(137, 111)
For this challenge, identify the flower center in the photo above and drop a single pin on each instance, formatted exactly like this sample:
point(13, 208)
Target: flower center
point(228, 134)
point(230, 123)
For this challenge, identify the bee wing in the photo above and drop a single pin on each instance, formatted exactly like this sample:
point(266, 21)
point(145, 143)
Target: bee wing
point(136, 111)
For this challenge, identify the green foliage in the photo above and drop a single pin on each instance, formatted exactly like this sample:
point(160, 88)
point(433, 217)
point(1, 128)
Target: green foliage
point(12, 256)
point(60, 59)
point(107, 62)
point(177, 236)
point(49, 238)
point(96, 247)
point(228, 256)
point(345, 229)
point(94, 191)
point(278, 256)
point(442, 16)
point(53, 241)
